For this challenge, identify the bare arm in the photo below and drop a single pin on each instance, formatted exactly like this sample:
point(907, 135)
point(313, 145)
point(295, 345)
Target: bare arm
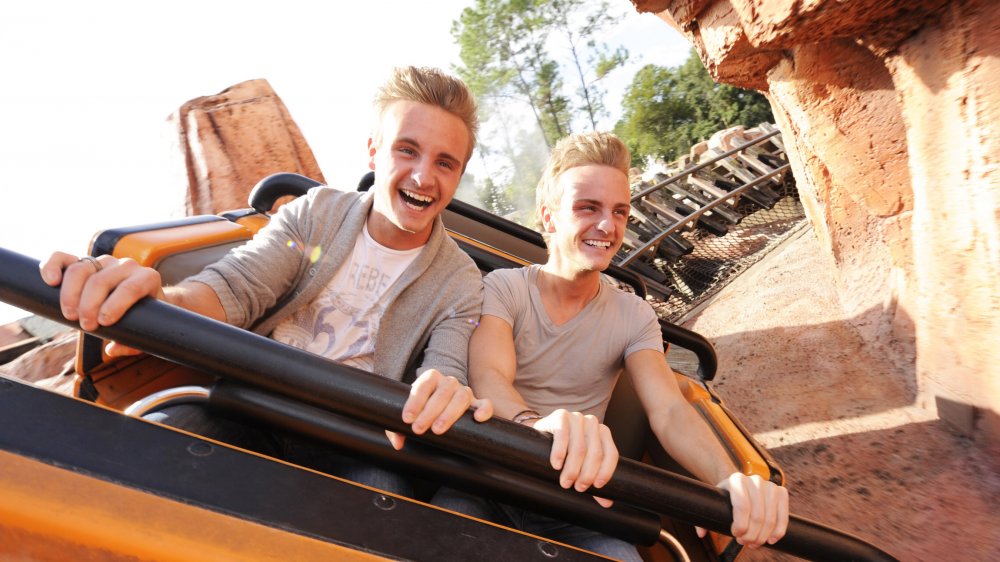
point(493, 366)
point(582, 448)
point(760, 508)
point(695, 447)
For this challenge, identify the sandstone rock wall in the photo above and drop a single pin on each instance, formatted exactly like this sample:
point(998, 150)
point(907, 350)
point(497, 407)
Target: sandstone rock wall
point(890, 112)
point(233, 139)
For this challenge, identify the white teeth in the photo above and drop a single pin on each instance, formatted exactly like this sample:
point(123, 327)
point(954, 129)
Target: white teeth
point(418, 197)
point(598, 243)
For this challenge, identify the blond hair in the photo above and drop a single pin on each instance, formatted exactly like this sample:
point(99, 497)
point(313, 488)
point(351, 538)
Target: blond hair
point(432, 87)
point(581, 149)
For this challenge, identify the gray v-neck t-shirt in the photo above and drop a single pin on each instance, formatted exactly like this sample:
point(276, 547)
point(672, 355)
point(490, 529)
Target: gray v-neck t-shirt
point(574, 365)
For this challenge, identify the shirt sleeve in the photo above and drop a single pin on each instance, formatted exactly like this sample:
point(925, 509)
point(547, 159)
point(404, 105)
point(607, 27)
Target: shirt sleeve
point(447, 349)
point(646, 333)
point(251, 278)
point(504, 294)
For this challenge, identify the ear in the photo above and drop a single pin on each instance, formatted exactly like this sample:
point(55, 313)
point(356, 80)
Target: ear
point(547, 223)
point(371, 153)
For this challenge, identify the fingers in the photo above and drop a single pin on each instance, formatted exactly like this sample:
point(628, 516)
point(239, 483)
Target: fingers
point(395, 439)
point(76, 276)
point(780, 498)
point(603, 502)
point(760, 509)
point(582, 449)
point(576, 451)
point(106, 295)
point(97, 291)
point(610, 460)
point(592, 454)
point(482, 409)
point(52, 268)
point(115, 349)
point(557, 423)
point(436, 402)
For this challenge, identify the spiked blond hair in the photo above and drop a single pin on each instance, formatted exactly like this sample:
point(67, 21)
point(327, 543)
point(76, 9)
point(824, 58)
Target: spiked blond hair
point(581, 149)
point(432, 87)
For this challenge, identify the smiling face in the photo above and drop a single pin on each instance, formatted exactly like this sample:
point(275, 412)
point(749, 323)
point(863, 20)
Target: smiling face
point(587, 226)
point(418, 158)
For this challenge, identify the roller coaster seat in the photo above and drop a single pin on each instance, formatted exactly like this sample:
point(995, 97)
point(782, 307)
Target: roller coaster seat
point(183, 247)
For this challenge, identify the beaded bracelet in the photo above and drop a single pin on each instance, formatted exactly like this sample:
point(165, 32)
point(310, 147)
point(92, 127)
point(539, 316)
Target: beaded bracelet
point(526, 415)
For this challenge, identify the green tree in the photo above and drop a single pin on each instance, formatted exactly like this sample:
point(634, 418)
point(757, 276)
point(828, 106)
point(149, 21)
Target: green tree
point(666, 111)
point(506, 56)
point(579, 22)
point(502, 45)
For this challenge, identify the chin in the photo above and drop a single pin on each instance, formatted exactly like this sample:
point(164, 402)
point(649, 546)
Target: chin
point(412, 226)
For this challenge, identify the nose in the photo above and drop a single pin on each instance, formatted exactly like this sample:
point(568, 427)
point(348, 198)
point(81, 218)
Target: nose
point(606, 224)
point(422, 174)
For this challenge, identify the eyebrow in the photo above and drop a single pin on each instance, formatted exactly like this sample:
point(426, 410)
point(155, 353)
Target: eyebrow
point(444, 155)
point(597, 202)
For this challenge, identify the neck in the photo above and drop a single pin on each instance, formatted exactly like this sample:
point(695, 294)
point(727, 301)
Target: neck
point(576, 288)
point(383, 231)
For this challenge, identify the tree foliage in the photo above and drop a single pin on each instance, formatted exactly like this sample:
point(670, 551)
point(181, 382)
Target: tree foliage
point(579, 22)
point(502, 48)
point(534, 58)
point(666, 111)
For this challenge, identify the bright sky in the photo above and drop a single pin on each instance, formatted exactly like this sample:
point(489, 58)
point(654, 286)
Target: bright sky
point(87, 87)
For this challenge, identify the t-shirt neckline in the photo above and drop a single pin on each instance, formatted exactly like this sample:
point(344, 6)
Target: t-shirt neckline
point(536, 297)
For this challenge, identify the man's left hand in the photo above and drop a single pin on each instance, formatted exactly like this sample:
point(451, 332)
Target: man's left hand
point(760, 509)
point(436, 402)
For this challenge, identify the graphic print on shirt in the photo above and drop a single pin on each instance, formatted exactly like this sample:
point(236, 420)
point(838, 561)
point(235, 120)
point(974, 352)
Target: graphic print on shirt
point(343, 321)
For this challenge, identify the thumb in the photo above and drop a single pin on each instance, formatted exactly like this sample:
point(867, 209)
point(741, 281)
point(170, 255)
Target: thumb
point(395, 439)
point(482, 409)
point(603, 502)
point(115, 349)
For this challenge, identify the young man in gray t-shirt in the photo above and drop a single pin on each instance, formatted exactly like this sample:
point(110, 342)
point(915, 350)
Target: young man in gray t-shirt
point(554, 338)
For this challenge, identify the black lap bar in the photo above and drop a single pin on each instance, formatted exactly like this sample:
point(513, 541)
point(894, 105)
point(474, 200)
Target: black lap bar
point(624, 522)
point(180, 336)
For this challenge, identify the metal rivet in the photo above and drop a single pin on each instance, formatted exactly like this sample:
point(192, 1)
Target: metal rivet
point(200, 449)
point(548, 549)
point(312, 271)
point(384, 502)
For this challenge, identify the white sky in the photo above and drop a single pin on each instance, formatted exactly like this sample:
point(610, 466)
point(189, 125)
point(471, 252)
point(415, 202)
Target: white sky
point(85, 89)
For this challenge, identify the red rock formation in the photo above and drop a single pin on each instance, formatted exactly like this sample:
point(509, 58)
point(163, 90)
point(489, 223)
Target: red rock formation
point(233, 139)
point(889, 110)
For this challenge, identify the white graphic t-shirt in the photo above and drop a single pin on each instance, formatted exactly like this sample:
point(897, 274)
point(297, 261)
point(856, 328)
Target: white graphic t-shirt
point(342, 322)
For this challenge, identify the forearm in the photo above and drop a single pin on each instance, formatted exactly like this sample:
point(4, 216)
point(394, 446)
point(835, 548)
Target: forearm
point(689, 440)
point(507, 401)
point(493, 366)
point(196, 297)
point(447, 348)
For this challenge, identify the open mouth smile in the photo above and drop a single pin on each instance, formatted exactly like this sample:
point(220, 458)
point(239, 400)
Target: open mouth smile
point(415, 200)
point(602, 244)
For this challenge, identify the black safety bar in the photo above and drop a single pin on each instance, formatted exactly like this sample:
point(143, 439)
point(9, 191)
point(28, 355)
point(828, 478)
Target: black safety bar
point(269, 189)
point(421, 460)
point(189, 339)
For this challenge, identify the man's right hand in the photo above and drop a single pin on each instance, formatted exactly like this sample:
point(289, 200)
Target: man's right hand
point(582, 449)
point(98, 291)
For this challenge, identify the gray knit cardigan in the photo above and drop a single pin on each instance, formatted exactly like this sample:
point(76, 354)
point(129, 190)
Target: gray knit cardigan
point(433, 307)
